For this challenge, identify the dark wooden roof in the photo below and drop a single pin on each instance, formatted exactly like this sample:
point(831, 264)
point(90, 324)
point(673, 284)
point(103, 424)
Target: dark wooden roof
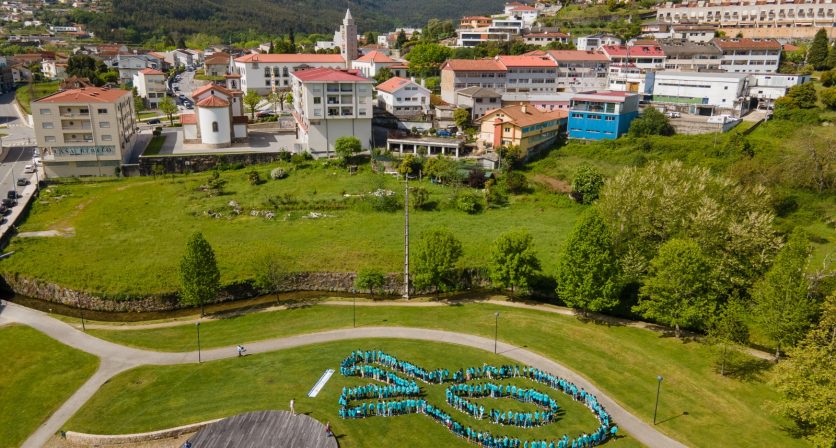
point(264, 429)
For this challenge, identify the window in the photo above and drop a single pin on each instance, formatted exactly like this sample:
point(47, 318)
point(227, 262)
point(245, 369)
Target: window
point(47, 125)
point(46, 111)
point(507, 129)
point(49, 139)
point(104, 124)
point(107, 138)
point(317, 100)
point(84, 111)
point(214, 126)
point(101, 111)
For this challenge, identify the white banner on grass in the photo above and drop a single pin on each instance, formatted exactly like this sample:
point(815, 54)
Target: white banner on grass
point(321, 383)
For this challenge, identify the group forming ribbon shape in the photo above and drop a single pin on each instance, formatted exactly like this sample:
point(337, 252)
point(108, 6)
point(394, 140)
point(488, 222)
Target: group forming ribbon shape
point(402, 396)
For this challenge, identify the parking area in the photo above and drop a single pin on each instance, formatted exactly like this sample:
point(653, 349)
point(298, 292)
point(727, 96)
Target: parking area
point(257, 142)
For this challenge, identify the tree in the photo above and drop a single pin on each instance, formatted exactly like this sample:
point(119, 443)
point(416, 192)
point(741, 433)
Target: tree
point(514, 182)
point(729, 329)
point(650, 122)
point(418, 197)
point(817, 57)
point(370, 279)
point(831, 57)
point(513, 261)
point(798, 97)
point(435, 258)
point(346, 147)
point(782, 304)
point(680, 290)
point(443, 169)
point(425, 58)
point(370, 37)
point(828, 78)
point(168, 107)
point(587, 183)
point(84, 66)
point(401, 39)
point(587, 271)
point(461, 117)
point(199, 275)
point(270, 274)
point(383, 75)
point(252, 99)
point(828, 97)
point(807, 384)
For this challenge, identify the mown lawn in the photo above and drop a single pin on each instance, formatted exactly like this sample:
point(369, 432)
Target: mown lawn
point(37, 375)
point(622, 361)
point(130, 234)
point(149, 398)
point(41, 89)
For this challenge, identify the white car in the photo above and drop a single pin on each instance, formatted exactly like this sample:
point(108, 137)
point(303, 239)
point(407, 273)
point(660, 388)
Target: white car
point(28, 169)
point(672, 114)
point(36, 161)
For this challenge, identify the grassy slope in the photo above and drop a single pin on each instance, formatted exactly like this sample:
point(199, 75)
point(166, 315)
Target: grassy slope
point(41, 89)
point(268, 381)
point(622, 361)
point(130, 234)
point(38, 375)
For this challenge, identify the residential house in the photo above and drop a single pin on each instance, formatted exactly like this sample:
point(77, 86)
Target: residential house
point(545, 38)
point(217, 64)
point(646, 57)
point(768, 87)
point(694, 32)
point(749, 55)
point(403, 97)
point(602, 115)
point(371, 63)
point(686, 55)
point(523, 126)
point(85, 132)
point(131, 64)
point(479, 100)
point(596, 41)
point(461, 73)
point(150, 86)
point(329, 103)
point(267, 72)
point(53, 69)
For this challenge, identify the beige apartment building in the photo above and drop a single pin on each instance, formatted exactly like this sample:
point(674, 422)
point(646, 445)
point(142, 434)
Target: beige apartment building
point(85, 132)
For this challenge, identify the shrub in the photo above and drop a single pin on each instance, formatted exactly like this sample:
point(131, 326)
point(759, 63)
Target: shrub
point(253, 177)
point(278, 173)
point(476, 179)
point(383, 201)
point(469, 202)
point(285, 155)
point(418, 197)
point(495, 194)
point(515, 182)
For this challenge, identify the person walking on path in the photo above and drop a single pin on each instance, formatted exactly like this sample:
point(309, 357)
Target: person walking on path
point(241, 350)
point(328, 432)
point(292, 407)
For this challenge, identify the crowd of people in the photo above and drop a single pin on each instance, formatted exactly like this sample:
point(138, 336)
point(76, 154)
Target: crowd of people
point(360, 363)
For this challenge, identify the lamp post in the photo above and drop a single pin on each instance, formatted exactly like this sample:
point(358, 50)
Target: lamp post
point(81, 311)
point(197, 326)
point(495, 331)
point(658, 390)
point(354, 311)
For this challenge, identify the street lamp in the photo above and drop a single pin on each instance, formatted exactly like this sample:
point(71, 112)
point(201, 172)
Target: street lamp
point(658, 389)
point(354, 311)
point(197, 326)
point(81, 311)
point(496, 331)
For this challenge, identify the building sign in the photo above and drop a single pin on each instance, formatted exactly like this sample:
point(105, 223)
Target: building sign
point(70, 151)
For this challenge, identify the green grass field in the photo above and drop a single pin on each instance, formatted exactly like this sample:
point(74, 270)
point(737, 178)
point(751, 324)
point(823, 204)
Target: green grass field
point(178, 395)
point(41, 89)
point(37, 375)
point(622, 361)
point(130, 234)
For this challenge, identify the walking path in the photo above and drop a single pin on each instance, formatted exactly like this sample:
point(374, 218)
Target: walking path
point(116, 358)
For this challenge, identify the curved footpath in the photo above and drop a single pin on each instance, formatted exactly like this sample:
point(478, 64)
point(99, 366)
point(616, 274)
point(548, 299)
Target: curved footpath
point(116, 358)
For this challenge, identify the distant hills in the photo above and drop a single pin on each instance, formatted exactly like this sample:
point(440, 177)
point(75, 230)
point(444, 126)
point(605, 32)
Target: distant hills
point(139, 20)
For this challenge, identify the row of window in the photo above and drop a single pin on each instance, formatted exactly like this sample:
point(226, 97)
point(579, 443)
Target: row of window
point(51, 125)
point(86, 138)
point(80, 111)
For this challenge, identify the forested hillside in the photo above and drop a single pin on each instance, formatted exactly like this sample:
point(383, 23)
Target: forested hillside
point(137, 20)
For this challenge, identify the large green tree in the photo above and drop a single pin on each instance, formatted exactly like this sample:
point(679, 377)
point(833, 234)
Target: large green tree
point(346, 147)
point(587, 184)
point(807, 381)
point(513, 261)
point(783, 306)
point(252, 99)
point(680, 290)
point(587, 271)
point(650, 122)
point(168, 107)
point(426, 58)
point(817, 57)
point(435, 259)
point(200, 279)
point(370, 279)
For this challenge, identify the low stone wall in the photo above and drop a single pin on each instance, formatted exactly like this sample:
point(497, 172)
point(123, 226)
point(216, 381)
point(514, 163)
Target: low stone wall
point(203, 162)
point(298, 281)
point(82, 439)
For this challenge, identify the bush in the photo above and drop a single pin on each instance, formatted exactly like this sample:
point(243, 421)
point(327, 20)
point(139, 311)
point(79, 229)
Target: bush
point(301, 158)
point(651, 122)
point(476, 179)
point(285, 156)
point(495, 194)
point(278, 173)
point(253, 177)
point(515, 182)
point(828, 78)
point(469, 202)
point(418, 197)
point(828, 97)
point(384, 201)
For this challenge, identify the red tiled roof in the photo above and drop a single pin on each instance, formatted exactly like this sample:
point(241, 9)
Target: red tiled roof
point(577, 55)
point(633, 50)
point(213, 101)
point(156, 55)
point(394, 84)
point(375, 56)
point(473, 65)
point(297, 58)
point(151, 71)
point(790, 47)
point(748, 44)
point(200, 90)
point(189, 118)
point(526, 115)
point(329, 74)
point(526, 61)
point(86, 95)
point(524, 8)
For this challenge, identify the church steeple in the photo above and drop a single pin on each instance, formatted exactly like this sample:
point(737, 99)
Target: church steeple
point(348, 44)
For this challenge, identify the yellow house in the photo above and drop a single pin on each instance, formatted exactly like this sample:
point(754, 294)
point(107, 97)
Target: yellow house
point(522, 125)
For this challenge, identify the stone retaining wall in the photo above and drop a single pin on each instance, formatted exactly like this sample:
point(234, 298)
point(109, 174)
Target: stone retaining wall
point(203, 162)
point(83, 439)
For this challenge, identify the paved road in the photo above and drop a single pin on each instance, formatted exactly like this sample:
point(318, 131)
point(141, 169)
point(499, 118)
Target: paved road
point(18, 148)
point(116, 358)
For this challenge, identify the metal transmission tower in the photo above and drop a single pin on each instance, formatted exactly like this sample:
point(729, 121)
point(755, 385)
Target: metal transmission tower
point(406, 237)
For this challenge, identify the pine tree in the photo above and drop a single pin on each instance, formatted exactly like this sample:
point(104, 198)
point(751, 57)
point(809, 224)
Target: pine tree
point(817, 57)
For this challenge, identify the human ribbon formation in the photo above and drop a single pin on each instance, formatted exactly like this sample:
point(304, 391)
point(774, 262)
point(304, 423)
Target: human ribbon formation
point(402, 396)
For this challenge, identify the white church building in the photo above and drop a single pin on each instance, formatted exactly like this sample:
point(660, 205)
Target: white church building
point(218, 119)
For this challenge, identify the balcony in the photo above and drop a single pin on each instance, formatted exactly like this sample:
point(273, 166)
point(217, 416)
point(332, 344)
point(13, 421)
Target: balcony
point(74, 113)
point(76, 125)
point(78, 138)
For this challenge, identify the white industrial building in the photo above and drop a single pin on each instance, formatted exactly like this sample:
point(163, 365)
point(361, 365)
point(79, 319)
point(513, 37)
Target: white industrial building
point(703, 93)
point(768, 87)
point(328, 104)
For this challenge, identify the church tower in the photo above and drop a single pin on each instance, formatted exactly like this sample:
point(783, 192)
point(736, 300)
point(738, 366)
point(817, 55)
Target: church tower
point(348, 32)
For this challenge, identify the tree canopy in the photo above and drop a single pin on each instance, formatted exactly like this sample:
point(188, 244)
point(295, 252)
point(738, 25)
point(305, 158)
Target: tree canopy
point(587, 183)
point(817, 57)
point(435, 259)
point(650, 122)
point(513, 261)
point(425, 58)
point(199, 275)
point(347, 147)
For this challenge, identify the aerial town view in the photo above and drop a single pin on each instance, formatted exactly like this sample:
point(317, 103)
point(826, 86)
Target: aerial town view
point(390, 223)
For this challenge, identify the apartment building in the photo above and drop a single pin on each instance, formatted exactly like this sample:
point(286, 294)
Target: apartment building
point(85, 132)
point(546, 38)
point(150, 86)
point(529, 73)
point(786, 19)
point(749, 55)
point(686, 55)
point(267, 72)
point(596, 41)
point(522, 125)
point(579, 70)
point(330, 103)
point(458, 74)
point(602, 115)
point(645, 57)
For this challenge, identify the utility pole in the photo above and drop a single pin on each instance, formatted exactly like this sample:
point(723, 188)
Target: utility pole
point(406, 237)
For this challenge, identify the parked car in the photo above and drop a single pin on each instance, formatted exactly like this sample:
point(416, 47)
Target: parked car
point(153, 121)
point(189, 105)
point(36, 153)
point(28, 169)
point(672, 114)
point(4, 210)
point(8, 203)
point(11, 194)
point(443, 133)
point(265, 113)
point(22, 181)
